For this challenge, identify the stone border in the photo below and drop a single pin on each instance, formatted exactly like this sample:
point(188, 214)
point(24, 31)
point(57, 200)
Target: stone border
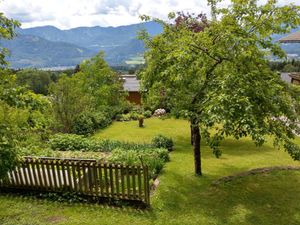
point(253, 172)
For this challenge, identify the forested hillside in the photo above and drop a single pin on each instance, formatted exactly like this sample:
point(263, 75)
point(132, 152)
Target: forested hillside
point(49, 46)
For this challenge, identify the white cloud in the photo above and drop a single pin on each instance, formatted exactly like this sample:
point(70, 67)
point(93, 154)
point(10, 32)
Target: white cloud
point(73, 13)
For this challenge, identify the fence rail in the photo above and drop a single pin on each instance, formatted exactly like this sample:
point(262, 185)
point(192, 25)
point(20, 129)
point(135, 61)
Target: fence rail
point(87, 177)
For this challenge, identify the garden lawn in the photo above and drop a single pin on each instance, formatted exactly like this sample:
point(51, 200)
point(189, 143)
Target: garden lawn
point(182, 198)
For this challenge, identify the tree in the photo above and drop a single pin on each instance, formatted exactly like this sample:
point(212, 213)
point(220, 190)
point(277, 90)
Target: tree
point(8, 154)
point(94, 89)
point(100, 82)
point(7, 31)
point(68, 101)
point(216, 73)
point(36, 80)
point(20, 113)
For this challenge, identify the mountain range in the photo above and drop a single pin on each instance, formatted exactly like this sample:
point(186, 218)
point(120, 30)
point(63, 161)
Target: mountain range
point(48, 46)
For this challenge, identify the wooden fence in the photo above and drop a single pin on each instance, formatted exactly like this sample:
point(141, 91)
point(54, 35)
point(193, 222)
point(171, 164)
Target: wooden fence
point(86, 177)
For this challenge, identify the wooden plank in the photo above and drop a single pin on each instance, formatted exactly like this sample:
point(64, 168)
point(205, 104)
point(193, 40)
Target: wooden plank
point(123, 181)
point(106, 183)
point(69, 175)
point(32, 172)
point(117, 180)
point(111, 180)
point(128, 181)
point(96, 192)
point(39, 173)
point(35, 174)
point(11, 179)
point(29, 173)
point(59, 175)
point(85, 177)
point(17, 176)
point(24, 174)
point(74, 176)
point(133, 169)
point(139, 180)
point(90, 177)
point(45, 180)
point(100, 166)
point(79, 173)
point(64, 178)
point(53, 175)
point(147, 186)
point(49, 176)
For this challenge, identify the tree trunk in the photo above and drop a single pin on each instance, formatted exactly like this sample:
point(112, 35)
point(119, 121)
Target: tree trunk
point(192, 136)
point(197, 150)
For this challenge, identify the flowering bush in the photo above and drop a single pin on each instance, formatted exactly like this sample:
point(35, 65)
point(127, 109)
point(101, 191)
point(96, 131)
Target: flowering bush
point(159, 112)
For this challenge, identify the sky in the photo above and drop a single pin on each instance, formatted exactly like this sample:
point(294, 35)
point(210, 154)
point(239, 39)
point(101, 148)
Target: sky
point(66, 14)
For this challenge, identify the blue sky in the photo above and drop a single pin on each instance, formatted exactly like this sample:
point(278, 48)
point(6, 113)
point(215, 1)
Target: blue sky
point(67, 14)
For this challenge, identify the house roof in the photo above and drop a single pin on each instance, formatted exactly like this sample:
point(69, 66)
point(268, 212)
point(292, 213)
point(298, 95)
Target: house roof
point(295, 76)
point(292, 38)
point(131, 83)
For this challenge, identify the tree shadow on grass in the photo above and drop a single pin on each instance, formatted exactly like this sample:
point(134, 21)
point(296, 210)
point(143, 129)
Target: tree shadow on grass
point(259, 199)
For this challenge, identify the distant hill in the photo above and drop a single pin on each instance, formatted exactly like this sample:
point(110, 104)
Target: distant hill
point(124, 52)
point(95, 38)
point(33, 51)
point(49, 46)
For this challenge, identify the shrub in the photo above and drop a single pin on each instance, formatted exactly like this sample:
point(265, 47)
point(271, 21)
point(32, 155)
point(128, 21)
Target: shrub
point(122, 152)
point(125, 117)
point(87, 123)
point(137, 109)
point(71, 142)
point(83, 124)
point(101, 120)
point(147, 114)
point(134, 115)
point(161, 141)
point(8, 157)
point(154, 158)
point(118, 117)
point(109, 145)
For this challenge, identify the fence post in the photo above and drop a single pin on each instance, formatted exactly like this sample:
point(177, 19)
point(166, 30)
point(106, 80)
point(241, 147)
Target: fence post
point(146, 185)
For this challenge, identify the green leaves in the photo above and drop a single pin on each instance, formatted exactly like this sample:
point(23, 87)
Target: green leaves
point(293, 150)
point(220, 75)
point(95, 88)
point(7, 31)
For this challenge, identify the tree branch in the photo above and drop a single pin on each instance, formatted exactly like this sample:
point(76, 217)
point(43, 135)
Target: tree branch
point(205, 50)
point(208, 73)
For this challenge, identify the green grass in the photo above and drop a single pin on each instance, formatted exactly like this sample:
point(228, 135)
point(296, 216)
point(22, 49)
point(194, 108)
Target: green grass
point(181, 197)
